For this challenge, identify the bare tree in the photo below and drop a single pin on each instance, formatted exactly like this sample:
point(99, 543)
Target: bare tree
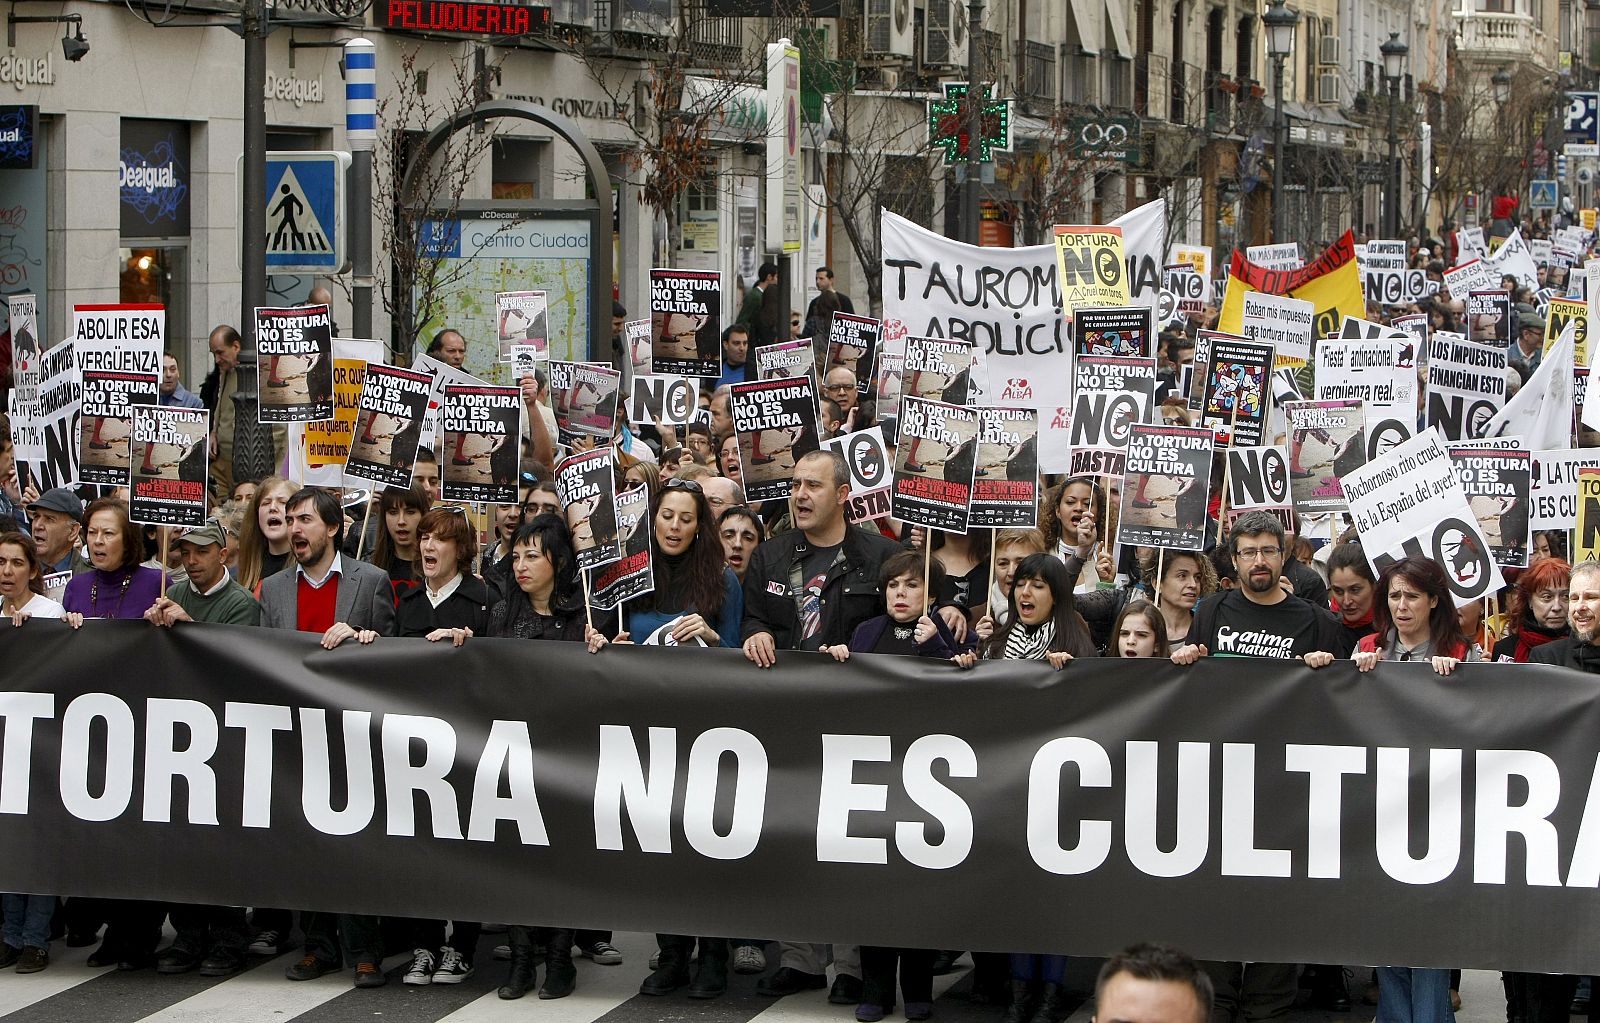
point(1483, 146)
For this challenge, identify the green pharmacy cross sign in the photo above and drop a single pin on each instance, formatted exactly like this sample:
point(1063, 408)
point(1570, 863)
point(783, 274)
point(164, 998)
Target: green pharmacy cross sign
point(948, 122)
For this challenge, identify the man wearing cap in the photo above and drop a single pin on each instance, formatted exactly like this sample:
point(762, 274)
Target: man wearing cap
point(56, 518)
point(210, 594)
point(1527, 349)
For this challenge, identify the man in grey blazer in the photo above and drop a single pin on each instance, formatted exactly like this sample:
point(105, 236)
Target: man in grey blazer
point(338, 598)
point(361, 603)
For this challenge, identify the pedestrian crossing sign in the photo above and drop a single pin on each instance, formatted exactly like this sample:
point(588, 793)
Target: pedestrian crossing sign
point(1542, 194)
point(306, 212)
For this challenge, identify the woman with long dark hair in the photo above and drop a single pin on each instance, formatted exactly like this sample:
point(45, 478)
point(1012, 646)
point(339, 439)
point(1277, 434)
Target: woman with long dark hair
point(1414, 619)
point(695, 590)
point(545, 601)
point(22, 593)
point(1538, 606)
point(395, 550)
point(1041, 624)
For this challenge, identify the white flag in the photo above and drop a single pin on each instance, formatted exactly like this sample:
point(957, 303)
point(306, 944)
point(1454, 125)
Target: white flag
point(1542, 409)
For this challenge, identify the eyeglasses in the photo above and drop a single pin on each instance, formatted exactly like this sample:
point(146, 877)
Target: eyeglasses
point(839, 388)
point(1254, 553)
point(676, 483)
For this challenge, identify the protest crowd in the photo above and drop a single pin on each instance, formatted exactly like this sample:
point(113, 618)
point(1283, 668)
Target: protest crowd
point(1235, 518)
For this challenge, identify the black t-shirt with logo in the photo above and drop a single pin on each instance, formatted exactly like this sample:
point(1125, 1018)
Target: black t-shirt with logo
point(1229, 624)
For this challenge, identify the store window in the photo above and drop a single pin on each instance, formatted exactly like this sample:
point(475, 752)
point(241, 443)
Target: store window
point(155, 184)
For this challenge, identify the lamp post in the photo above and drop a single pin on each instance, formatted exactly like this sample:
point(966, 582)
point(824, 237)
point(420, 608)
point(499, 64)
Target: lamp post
point(1500, 83)
point(1394, 62)
point(1281, 24)
point(972, 189)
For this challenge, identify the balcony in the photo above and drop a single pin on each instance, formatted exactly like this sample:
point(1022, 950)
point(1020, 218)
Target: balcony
point(637, 28)
point(1491, 34)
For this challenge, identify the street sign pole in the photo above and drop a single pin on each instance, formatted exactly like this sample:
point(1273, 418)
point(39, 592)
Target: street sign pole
point(361, 134)
point(971, 196)
point(252, 442)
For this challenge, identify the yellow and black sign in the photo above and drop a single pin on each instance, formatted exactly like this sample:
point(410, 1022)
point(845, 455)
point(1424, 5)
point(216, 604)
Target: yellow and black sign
point(1090, 264)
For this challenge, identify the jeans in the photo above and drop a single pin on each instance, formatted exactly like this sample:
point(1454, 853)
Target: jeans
point(27, 920)
point(1407, 995)
point(1046, 968)
point(361, 938)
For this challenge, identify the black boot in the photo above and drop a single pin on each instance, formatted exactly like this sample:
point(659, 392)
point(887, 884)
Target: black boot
point(1024, 1000)
point(1052, 1005)
point(711, 977)
point(672, 969)
point(560, 976)
point(520, 980)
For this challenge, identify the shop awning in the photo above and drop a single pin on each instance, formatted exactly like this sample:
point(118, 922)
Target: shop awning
point(1087, 14)
point(1116, 17)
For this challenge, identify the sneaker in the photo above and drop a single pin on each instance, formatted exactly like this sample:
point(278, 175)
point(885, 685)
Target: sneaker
point(603, 953)
point(371, 975)
point(267, 943)
point(309, 968)
point(33, 960)
point(748, 959)
point(453, 969)
point(9, 954)
point(421, 971)
point(866, 1012)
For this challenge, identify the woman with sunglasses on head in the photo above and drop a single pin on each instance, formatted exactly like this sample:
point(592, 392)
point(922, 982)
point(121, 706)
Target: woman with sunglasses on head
point(695, 590)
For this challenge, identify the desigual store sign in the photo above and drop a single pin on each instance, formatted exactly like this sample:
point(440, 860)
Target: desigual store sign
point(289, 89)
point(21, 71)
point(153, 178)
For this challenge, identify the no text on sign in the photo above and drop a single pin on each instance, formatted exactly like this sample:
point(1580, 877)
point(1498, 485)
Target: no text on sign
point(305, 212)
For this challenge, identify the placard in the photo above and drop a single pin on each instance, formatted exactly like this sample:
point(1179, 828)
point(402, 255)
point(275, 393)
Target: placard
point(776, 423)
point(1326, 440)
point(853, 343)
point(390, 417)
point(1281, 256)
point(1561, 312)
point(786, 360)
point(934, 464)
point(318, 450)
point(170, 469)
point(1236, 391)
point(1470, 276)
point(663, 400)
point(1466, 385)
point(114, 376)
point(1090, 266)
point(1258, 480)
point(1496, 480)
point(1109, 396)
point(937, 369)
point(686, 322)
point(1553, 491)
point(871, 472)
point(632, 575)
point(1380, 373)
point(1125, 332)
point(1410, 502)
point(1284, 323)
point(480, 449)
point(583, 396)
point(294, 367)
point(1005, 485)
point(1171, 467)
point(1489, 317)
point(522, 318)
point(586, 487)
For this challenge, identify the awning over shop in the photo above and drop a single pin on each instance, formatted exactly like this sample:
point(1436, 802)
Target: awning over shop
point(1117, 18)
point(736, 113)
point(1087, 14)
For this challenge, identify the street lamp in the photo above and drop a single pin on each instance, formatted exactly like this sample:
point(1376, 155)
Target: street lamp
point(1394, 63)
point(1501, 82)
point(1281, 24)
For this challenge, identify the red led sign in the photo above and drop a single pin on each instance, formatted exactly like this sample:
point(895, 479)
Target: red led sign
point(462, 17)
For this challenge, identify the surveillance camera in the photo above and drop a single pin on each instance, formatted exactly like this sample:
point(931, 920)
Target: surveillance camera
point(75, 47)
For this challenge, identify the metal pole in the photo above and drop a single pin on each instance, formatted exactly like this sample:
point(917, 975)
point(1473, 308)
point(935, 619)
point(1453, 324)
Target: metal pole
point(252, 442)
point(971, 200)
point(1278, 136)
point(361, 133)
point(1391, 198)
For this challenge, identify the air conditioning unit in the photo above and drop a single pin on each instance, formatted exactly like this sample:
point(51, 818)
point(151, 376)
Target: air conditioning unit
point(890, 28)
point(944, 43)
point(1328, 87)
point(1329, 50)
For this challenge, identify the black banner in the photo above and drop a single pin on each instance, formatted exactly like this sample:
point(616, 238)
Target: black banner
point(1244, 810)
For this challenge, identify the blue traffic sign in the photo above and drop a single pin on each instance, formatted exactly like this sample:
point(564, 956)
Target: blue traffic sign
point(1542, 194)
point(306, 212)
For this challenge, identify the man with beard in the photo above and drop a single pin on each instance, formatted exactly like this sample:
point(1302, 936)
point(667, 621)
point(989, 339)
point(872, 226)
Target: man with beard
point(1259, 618)
point(340, 599)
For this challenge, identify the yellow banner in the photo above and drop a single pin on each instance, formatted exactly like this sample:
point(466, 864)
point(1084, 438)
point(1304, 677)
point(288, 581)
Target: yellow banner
point(1335, 292)
point(1090, 267)
point(1588, 535)
point(1586, 219)
point(1562, 311)
point(328, 443)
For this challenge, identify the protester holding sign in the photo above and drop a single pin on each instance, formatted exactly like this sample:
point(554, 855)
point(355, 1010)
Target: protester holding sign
point(209, 594)
point(696, 593)
point(56, 518)
point(1059, 514)
point(548, 601)
point(1414, 619)
point(1042, 621)
point(1260, 618)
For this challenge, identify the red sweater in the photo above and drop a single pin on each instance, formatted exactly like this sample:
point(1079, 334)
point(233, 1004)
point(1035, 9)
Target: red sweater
point(315, 605)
